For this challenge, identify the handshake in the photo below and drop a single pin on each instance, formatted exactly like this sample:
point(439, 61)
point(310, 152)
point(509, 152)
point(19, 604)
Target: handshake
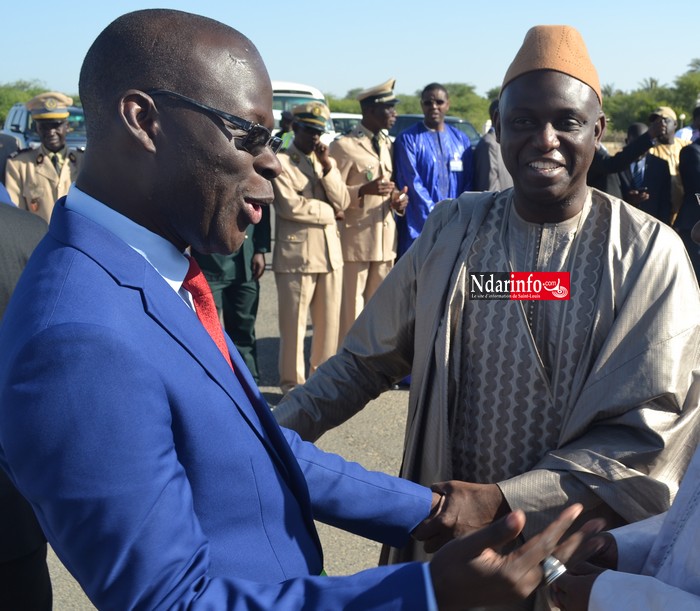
point(467, 528)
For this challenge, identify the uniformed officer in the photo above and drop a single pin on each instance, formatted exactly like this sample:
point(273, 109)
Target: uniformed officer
point(368, 231)
point(307, 260)
point(36, 178)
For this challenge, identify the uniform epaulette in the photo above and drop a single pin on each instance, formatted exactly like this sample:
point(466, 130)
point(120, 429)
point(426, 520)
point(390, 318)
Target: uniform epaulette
point(24, 150)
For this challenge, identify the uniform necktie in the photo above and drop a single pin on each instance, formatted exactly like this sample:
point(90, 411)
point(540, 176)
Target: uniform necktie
point(196, 284)
point(56, 163)
point(375, 143)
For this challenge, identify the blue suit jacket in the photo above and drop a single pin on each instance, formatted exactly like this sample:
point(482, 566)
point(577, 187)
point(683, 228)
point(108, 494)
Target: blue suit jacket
point(158, 475)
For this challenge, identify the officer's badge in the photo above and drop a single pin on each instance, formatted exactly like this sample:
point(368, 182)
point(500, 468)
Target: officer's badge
point(51, 103)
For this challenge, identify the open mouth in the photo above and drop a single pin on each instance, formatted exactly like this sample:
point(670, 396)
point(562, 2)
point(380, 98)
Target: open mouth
point(254, 209)
point(546, 167)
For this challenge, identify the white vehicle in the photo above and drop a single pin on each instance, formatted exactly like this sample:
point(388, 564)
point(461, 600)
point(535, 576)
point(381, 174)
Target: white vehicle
point(286, 95)
point(344, 122)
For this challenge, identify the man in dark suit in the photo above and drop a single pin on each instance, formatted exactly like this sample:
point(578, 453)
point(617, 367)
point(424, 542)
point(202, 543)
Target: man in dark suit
point(24, 576)
point(155, 467)
point(490, 173)
point(234, 281)
point(604, 171)
point(646, 182)
point(689, 215)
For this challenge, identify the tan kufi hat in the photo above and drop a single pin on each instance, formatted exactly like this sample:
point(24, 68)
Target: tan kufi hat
point(379, 94)
point(49, 106)
point(664, 112)
point(555, 47)
point(314, 114)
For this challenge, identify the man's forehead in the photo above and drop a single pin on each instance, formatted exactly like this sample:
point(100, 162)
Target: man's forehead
point(434, 94)
point(543, 87)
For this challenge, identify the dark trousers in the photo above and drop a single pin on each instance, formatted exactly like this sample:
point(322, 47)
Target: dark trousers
point(24, 576)
point(25, 584)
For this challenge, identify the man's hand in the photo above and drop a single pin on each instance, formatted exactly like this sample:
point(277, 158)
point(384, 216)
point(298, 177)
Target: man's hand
point(323, 157)
point(468, 572)
point(572, 591)
point(378, 186)
point(399, 200)
point(657, 128)
point(459, 508)
point(257, 265)
point(600, 551)
point(635, 197)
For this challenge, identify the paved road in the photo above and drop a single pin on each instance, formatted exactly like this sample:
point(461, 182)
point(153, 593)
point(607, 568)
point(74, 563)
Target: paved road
point(374, 437)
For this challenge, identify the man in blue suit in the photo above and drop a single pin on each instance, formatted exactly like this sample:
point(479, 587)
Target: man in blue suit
point(153, 464)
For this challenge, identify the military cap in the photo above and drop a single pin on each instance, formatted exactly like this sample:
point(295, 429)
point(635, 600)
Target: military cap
point(49, 106)
point(664, 112)
point(314, 114)
point(379, 94)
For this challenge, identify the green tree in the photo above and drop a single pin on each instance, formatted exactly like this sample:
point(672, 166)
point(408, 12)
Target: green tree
point(687, 92)
point(493, 93)
point(19, 91)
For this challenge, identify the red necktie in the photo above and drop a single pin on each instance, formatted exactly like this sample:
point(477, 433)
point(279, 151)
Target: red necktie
point(196, 284)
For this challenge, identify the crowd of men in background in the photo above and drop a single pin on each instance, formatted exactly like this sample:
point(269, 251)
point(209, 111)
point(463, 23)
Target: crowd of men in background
point(345, 212)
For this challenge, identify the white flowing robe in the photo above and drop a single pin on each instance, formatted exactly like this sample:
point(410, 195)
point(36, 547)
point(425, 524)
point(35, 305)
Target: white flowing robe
point(658, 558)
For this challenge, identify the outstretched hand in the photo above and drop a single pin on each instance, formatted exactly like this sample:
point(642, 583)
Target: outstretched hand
point(469, 572)
point(573, 590)
point(460, 509)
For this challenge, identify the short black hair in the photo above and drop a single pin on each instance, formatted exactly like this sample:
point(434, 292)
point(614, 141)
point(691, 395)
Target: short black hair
point(636, 129)
point(434, 87)
point(493, 107)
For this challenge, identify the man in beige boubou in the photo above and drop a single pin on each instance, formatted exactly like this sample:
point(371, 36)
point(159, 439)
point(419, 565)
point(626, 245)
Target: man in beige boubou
point(36, 178)
point(307, 259)
point(533, 404)
point(368, 231)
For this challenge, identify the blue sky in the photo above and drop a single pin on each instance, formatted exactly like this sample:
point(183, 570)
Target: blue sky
point(339, 46)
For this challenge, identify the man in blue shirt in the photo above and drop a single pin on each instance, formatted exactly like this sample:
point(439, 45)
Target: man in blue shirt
point(432, 159)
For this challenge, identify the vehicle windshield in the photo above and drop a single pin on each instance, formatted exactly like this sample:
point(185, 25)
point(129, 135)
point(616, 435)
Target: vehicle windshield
point(287, 101)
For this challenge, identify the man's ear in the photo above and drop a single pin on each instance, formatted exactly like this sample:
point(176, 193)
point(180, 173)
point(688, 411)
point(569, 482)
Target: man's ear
point(140, 117)
point(600, 128)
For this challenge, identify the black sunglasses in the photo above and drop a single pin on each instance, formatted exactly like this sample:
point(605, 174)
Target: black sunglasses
point(257, 136)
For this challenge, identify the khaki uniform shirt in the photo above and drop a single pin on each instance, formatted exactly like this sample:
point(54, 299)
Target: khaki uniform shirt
point(306, 202)
point(34, 184)
point(368, 232)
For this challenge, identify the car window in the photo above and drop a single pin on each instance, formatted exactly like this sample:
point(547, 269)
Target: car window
point(467, 128)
